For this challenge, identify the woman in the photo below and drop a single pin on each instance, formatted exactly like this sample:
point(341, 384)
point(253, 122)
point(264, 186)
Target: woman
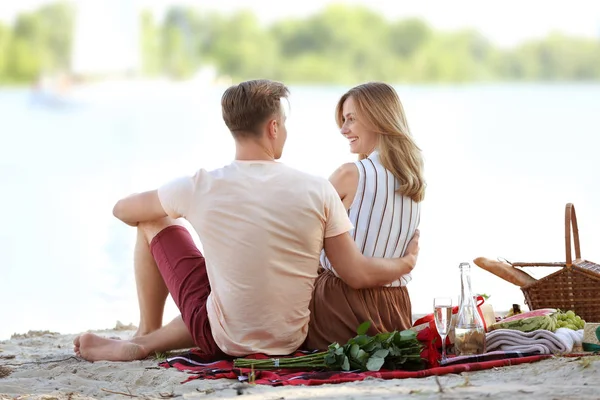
point(382, 191)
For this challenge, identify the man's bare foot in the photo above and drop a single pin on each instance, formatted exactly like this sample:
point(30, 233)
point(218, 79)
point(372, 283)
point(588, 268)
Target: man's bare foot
point(95, 348)
point(76, 345)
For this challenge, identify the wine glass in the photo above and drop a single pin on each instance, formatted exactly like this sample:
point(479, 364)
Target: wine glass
point(442, 310)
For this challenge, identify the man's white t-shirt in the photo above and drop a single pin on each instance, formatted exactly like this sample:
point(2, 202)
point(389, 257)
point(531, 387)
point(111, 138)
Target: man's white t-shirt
point(262, 226)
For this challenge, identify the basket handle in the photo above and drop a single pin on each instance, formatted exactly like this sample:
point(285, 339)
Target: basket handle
point(571, 221)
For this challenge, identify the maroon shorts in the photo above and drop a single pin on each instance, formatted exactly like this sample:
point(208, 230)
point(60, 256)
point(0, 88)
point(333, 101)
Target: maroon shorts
point(183, 269)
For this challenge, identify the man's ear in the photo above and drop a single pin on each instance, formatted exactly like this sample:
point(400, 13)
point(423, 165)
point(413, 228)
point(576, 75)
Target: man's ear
point(272, 126)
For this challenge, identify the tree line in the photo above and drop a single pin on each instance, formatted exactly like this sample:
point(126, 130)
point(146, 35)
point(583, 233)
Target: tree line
point(339, 45)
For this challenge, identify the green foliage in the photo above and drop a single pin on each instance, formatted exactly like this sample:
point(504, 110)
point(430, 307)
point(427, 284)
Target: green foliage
point(407, 36)
point(555, 58)
point(178, 45)
point(38, 42)
point(339, 45)
point(351, 44)
point(5, 48)
point(390, 350)
point(242, 49)
point(150, 44)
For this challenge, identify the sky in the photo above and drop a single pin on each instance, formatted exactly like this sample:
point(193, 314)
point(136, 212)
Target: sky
point(506, 23)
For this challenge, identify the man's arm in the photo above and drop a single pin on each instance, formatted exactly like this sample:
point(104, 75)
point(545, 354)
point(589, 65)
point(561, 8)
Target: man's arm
point(361, 272)
point(139, 207)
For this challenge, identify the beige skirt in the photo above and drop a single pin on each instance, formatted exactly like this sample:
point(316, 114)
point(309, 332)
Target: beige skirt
point(337, 310)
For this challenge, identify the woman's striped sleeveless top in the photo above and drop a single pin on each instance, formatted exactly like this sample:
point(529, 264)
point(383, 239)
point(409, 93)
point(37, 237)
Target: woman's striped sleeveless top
point(384, 221)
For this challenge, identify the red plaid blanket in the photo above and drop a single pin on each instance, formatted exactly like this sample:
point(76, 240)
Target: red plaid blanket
point(193, 362)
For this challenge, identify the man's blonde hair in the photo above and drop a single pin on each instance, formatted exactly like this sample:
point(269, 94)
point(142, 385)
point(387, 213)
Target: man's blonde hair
point(249, 104)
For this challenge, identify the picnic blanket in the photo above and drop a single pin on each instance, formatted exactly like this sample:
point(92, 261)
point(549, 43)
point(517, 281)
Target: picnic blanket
point(199, 368)
point(489, 356)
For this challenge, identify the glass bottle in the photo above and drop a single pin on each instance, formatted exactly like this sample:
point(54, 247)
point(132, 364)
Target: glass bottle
point(469, 336)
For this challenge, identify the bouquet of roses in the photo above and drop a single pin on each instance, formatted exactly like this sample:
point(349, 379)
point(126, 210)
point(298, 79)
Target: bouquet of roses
point(388, 350)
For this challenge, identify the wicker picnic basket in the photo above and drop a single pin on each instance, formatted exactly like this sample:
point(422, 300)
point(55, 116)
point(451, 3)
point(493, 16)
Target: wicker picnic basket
point(576, 286)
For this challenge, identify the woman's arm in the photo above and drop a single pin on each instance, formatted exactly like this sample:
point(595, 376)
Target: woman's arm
point(345, 182)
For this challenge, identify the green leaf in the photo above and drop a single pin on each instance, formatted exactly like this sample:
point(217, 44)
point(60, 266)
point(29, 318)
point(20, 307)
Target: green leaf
point(330, 359)
point(408, 335)
point(391, 338)
point(383, 353)
point(370, 347)
point(363, 328)
point(356, 365)
point(362, 356)
point(346, 364)
point(339, 350)
point(384, 336)
point(394, 351)
point(404, 337)
point(354, 350)
point(375, 363)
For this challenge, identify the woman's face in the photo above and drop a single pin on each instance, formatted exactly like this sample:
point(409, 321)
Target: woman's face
point(362, 141)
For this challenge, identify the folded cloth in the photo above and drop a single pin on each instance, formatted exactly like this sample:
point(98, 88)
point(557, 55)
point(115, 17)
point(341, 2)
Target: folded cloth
point(576, 336)
point(540, 341)
point(194, 363)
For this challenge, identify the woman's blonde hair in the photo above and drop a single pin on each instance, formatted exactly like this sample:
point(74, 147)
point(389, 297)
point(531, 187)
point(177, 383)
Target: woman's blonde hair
point(380, 110)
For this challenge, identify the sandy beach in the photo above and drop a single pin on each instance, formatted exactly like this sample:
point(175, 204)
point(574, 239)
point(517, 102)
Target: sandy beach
point(41, 365)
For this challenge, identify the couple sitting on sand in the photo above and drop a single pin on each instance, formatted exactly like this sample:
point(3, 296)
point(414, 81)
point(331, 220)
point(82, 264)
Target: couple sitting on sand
point(290, 260)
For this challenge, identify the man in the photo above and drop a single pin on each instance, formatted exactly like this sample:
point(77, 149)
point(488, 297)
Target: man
point(262, 226)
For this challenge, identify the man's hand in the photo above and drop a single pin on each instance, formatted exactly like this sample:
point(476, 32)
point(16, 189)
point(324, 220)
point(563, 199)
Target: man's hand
point(413, 245)
point(361, 272)
point(409, 260)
